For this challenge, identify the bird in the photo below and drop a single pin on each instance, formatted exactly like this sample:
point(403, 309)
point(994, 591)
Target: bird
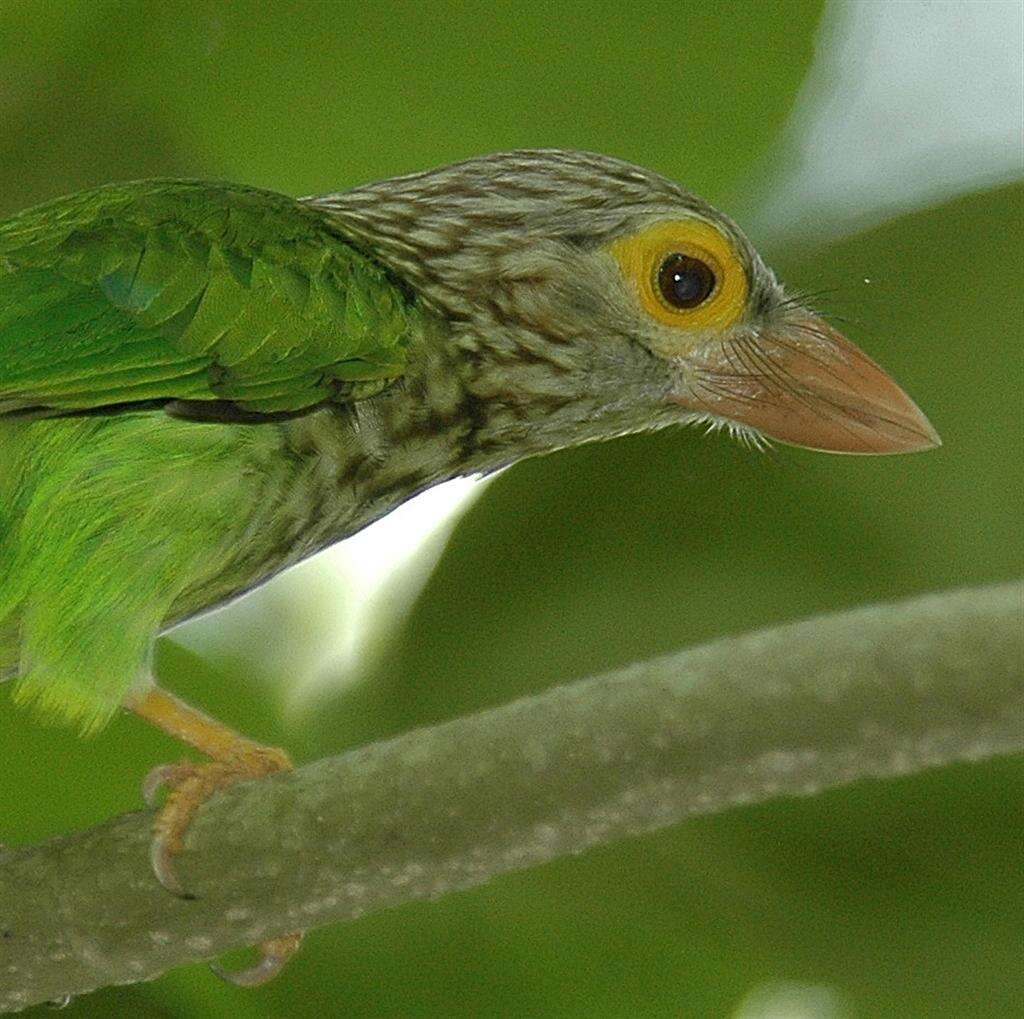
point(204, 383)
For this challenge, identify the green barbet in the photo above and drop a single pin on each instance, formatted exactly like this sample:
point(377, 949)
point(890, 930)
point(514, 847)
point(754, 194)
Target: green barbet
point(202, 384)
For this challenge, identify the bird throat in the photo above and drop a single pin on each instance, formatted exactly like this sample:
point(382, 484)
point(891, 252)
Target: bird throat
point(447, 418)
point(460, 410)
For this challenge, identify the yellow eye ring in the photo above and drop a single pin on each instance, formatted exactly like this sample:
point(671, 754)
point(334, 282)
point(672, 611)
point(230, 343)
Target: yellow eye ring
point(668, 265)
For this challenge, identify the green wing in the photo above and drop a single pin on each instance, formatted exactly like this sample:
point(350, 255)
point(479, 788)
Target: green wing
point(168, 291)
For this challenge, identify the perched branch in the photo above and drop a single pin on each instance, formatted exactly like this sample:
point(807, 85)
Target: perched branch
point(880, 691)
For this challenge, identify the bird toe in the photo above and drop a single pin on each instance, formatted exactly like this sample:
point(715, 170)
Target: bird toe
point(273, 955)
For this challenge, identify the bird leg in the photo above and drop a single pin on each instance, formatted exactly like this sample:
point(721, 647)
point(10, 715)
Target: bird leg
point(233, 758)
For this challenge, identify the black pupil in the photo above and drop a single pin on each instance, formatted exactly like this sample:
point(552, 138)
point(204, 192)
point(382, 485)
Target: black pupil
point(685, 282)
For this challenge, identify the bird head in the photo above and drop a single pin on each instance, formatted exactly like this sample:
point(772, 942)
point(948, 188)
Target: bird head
point(592, 298)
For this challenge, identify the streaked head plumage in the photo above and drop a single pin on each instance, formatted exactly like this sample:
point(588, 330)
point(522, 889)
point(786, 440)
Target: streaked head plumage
point(468, 224)
point(623, 280)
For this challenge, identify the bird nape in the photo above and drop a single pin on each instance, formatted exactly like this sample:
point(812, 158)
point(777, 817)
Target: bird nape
point(202, 384)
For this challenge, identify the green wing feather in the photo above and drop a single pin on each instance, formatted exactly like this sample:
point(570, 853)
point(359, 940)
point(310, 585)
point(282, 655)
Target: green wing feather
point(190, 291)
point(168, 293)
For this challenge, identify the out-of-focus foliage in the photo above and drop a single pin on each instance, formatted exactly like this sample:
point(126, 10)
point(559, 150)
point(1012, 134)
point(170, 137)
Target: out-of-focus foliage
point(905, 898)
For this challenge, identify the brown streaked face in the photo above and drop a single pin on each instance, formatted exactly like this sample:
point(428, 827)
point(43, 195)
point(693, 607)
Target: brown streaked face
point(602, 298)
point(759, 363)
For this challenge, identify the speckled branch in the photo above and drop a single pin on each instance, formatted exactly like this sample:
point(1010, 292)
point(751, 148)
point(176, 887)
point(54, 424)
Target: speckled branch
point(879, 691)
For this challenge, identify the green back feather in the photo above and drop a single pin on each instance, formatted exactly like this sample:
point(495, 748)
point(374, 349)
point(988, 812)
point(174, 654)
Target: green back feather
point(153, 292)
point(196, 291)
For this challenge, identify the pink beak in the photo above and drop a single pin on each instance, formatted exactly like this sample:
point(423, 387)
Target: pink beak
point(806, 385)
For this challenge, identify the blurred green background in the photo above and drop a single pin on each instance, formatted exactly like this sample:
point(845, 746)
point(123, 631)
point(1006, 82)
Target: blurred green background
point(902, 898)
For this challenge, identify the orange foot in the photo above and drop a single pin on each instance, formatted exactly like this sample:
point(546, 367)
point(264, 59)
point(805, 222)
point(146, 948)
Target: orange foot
point(235, 759)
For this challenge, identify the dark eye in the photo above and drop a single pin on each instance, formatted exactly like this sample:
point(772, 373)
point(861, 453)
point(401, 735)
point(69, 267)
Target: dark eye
point(685, 282)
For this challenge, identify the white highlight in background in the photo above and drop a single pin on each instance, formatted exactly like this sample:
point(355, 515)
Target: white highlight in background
point(906, 105)
point(381, 571)
point(786, 1000)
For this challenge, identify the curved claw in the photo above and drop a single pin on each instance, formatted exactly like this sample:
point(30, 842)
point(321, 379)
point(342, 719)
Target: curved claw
point(274, 953)
point(160, 856)
point(158, 777)
point(162, 849)
point(189, 784)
